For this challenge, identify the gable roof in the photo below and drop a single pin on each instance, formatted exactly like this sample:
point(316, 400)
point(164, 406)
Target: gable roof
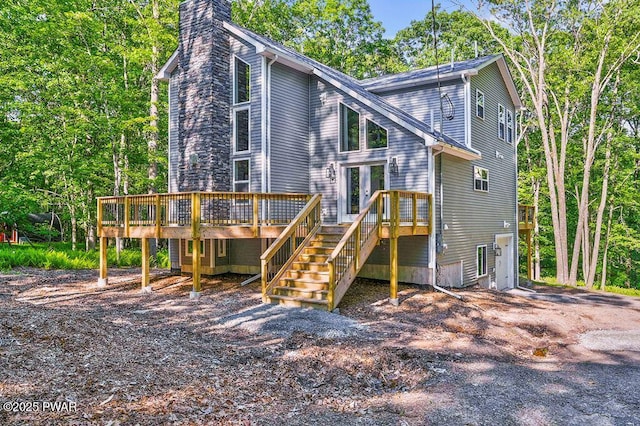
point(444, 72)
point(352, 87)
point(344, 82)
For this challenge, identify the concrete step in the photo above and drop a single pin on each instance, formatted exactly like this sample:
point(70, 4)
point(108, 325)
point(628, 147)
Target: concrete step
point(302, 265)
point(300, 293)
point(299, 302)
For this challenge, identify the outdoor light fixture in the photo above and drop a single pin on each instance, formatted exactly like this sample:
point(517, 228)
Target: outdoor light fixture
point(193, 160)
point(393, 166)
point(330, 172)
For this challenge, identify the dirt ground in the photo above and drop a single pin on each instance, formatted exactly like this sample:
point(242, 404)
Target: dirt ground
point(116, 356)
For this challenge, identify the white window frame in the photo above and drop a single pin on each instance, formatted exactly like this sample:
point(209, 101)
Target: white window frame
point(221, 248)
point(480, 94)
point(235, 81)
point(341, 128)
point(510, 136)
point(248, 180)
point(366, 135)
point(189, 248)
point(484, 266)
point(477, 169)
point(235, 136)
point(502, 122)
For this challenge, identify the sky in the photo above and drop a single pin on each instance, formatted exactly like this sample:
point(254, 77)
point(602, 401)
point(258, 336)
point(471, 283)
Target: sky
point(397, 14)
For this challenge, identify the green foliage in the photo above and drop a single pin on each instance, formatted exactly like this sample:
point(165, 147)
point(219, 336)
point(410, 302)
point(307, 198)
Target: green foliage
point(61, 256)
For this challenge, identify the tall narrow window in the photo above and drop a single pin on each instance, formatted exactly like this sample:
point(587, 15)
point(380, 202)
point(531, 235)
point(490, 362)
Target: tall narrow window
point(510, 133)
point(349, 129)
point(480, 179)
point(479, 104)
point(501, 122)
point(242, 81)
point(481, 257)
point(241, 176)
point(241, 130)
point(376, 136)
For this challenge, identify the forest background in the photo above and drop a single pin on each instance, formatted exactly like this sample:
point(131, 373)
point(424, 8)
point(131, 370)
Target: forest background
point(82, 114)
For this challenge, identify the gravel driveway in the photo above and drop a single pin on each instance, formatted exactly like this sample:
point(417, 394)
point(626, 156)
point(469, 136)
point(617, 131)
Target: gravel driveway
point(558, 356)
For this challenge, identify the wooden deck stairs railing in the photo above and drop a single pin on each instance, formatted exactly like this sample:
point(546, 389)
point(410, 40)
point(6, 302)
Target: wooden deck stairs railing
point(323, 261)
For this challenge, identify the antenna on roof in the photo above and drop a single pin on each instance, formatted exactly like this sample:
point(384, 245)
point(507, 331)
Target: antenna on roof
point(475, 47)
point(453, 52)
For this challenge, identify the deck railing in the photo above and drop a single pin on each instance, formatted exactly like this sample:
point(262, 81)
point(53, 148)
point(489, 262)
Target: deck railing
point(279, 256)
point(215, 209)
point(391, 208)
point(526, 217)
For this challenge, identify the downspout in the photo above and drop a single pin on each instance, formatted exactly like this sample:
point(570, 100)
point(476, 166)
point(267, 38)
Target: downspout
point(268, 120)
point(467, 109)
point(432, 251)
point(263, 127)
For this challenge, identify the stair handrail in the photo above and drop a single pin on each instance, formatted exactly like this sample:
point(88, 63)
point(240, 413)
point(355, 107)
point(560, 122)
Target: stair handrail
point(309, 215)
point(334, 275)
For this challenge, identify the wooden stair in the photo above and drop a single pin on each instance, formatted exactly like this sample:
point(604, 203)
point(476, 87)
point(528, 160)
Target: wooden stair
point(306, 282)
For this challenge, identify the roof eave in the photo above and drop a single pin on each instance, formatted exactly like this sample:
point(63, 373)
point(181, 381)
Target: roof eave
point(167, 69)
point(466, 154)
point(386, 87)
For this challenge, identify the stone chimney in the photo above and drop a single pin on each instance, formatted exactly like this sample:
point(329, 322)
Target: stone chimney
point(204, 96)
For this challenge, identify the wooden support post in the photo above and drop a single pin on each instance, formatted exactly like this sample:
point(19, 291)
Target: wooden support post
point(393, 247)
point(195, 235)
point(145, 265)
point(357, 246)
point(529, 266)
point(264, 271)
point(414, 213)
point(158, 216)
point(332, 286)
point(103, 280)
point(197, 263)
point(255, 215)
point(380, 212)
point(127, 213)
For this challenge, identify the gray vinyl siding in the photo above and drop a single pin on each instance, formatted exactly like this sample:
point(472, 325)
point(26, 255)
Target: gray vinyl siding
point(409, 149)
point(421, 101)
point(246, 53)
point(473, 217)
point(244, 252)
point(289, 130)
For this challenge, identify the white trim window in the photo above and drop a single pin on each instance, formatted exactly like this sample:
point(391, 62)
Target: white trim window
point(480, 179)
point(222, 248)
point(241, 173)
point(510, 134)
point(241, 81)
point(501, 122)
point(481, 261)
point(349, 129)
point(377, 136)
point(241, 132)
point(479, 104)
point(189, 248)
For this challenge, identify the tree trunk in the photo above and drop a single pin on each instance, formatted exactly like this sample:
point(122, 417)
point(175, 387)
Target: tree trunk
point(536, 232)
point(590, 279)
point(603, 281)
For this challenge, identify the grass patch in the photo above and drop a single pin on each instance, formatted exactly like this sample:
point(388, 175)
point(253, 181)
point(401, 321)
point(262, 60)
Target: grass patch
point(60, 256)
point(553, 282)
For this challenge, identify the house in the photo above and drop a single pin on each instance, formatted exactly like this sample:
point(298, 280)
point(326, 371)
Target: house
point(284, 167)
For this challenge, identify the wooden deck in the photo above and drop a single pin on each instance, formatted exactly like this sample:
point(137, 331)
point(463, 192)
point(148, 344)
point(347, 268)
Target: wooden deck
point(227, 215)
point(526, 225)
